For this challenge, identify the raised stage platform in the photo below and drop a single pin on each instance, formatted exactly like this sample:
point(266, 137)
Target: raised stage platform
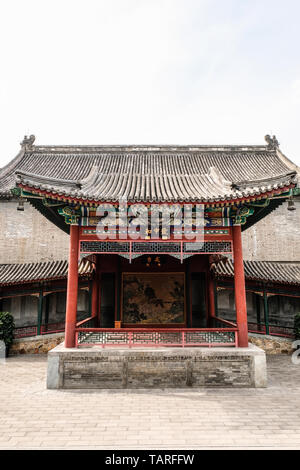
point(120, 367)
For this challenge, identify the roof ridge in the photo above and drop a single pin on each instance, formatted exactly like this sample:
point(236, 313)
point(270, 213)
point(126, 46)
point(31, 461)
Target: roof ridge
point(5, 170)
point(145, 147)
point(20, 173)
point(271, 178)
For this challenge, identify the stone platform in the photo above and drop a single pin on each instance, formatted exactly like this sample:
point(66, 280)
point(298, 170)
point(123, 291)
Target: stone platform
point(115, 368)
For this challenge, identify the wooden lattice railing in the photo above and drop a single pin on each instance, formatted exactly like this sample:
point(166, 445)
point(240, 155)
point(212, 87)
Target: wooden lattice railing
point(155, 337)
point(274, 330)
point(89, 324)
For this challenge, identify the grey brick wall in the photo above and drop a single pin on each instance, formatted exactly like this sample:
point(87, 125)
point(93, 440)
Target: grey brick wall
point(28, 237)
point(156, 368)
point(274, 238)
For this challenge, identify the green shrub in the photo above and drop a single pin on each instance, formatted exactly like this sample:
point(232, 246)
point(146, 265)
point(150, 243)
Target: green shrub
point(297, 326)
point(7, 325)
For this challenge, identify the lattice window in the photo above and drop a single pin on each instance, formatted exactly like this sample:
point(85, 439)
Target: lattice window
point(156, 247)
point(208, 247)
point(104, 247)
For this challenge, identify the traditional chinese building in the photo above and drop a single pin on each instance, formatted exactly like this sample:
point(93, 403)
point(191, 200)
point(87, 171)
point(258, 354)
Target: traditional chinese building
point(35, 293)
point(156, 287)
point(272, 293)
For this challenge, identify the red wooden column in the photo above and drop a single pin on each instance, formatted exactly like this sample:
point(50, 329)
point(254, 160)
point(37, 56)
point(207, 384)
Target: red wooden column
point(72, 288)
point(239, 288)
point(211, 299)
point(95, 298)
point(98, 277)
point(99, 298)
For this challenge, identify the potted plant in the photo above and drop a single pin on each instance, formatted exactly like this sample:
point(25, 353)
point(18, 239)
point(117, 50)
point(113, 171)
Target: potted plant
point(7, 326)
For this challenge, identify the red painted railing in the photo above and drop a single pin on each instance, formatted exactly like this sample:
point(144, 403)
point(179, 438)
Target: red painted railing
point(25, 331)
point(285, 332)
point(257, 328)
point(274, 330)
point(227, 323)
point(155, 337)
point(85, 322)
point(87, 325)
point(53, 328)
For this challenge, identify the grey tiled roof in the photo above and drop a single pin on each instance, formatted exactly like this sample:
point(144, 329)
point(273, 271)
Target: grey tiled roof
point(34, 272)
point(154, 174)
point(286, 273)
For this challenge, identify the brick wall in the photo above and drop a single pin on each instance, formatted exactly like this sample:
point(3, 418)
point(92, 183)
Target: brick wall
point(274, 238)
point(156, 368)
point(28, 237)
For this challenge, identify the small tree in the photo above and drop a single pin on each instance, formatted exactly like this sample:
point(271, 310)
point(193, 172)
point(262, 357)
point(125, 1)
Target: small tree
point(297, 326)
point(7, 325)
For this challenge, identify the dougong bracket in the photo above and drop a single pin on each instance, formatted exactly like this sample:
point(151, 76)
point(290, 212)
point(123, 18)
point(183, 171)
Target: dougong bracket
point(72, 215)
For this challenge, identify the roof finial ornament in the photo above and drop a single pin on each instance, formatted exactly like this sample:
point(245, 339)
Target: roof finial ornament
point(272, 142)
point(28, 142)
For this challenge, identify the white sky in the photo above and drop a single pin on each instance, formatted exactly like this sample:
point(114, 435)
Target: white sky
point(149, 72)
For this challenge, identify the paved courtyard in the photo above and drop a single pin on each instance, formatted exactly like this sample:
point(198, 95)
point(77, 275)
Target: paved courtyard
point(33, 417)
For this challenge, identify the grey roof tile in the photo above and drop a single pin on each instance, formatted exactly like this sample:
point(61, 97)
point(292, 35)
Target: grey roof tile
point(12, 274)
point(271, 271)
point(154, 174)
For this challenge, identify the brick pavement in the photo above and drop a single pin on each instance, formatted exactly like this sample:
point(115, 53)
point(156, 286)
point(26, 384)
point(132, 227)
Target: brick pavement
point(33, 417)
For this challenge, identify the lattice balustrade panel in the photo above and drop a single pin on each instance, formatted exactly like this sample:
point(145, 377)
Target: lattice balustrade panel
point(259, 328)
point(25, 331)
point(275, 330)
point(104, 337)
point(197, 337)
point(156, 337)
point(210, 337)
point(155, 247)
point(115, 338)
point(282, 331)
point(207, 247)
point(52, 327)
point(104, 247)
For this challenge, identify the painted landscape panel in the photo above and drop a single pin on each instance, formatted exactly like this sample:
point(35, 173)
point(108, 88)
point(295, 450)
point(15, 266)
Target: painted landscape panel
point(153, 298)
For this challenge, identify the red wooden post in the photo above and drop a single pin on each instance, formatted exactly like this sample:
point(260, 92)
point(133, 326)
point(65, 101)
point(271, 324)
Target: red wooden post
point(239, 288)
point(95, 297)
point(72, 288)
point(130, 339)
point(99, 277)
point(211, 299)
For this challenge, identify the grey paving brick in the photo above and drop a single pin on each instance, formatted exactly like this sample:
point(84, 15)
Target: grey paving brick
point(33, 417)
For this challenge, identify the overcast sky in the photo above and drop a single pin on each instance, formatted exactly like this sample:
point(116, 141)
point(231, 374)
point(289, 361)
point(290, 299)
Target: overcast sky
point(149, 72)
